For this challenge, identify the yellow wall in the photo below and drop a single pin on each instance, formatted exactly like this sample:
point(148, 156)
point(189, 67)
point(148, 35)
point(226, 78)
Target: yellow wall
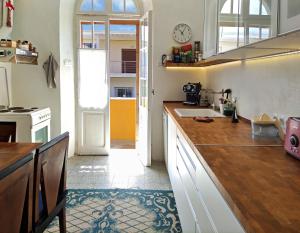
point(123, 119)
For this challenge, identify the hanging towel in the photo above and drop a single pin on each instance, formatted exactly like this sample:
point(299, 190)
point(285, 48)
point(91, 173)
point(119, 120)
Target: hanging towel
point(50, 66)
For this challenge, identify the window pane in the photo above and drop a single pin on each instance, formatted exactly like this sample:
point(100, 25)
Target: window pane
point(228, 38)
point(265, 33)
point(118, 6)
point(226, 7)
point(253, 34)
point(99, 5)
point(86, 35)
point(264, 11)
point(254, 7)
point(241, 36)
point(93, 88)
point(99, 35)
point(86, 5)
point(236, 7)
point(130, 6)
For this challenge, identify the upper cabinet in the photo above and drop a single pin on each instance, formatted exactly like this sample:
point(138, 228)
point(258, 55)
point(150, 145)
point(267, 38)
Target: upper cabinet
point(289, 15)
point(230, 24)
point(210, 26)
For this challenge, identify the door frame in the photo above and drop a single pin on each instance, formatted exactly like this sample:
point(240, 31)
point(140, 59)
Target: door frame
point(134, 21)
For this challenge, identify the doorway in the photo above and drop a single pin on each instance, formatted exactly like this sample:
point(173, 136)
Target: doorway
point(124, 86)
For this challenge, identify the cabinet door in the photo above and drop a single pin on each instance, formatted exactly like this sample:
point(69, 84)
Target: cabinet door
point(289, 15)
point(210, 28)
point(223, 218)
point(172, 134)
point(258, 20)
point(243, 22)
point(203, 224)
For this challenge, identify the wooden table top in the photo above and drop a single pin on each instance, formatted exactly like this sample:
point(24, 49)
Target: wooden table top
point(219, 132)
point(12, 153)
point(260, 184)
point(259, 181)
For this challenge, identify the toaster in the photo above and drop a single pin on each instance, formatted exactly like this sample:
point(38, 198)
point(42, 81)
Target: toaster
point(292, 139)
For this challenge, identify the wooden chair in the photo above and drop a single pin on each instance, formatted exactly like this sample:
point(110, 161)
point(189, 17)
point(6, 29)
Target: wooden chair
point(16, 183)
point(50, 184)
point(7, 131)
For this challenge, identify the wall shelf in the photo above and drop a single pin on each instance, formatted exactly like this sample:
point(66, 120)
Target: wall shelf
point(286, 43)
point(203, 63)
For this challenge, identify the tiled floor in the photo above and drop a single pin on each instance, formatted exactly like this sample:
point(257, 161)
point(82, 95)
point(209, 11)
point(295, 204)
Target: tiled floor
point(121, 169)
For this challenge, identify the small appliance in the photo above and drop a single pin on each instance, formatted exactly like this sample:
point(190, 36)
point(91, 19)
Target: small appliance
point(192, 91)
point(292, 139)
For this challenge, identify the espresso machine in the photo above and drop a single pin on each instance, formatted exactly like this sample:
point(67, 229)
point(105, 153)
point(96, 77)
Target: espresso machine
point(192, 91)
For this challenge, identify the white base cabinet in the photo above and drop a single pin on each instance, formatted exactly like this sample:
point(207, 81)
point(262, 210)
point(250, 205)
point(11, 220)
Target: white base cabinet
point(201, 207)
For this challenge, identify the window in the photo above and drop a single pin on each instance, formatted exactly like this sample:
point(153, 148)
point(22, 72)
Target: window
point(129, 61)
point(110, 6)
point(124, 92)
point(257, 7)
point(92, 5)
point(231, 7)
point(124, 6)
point(92, 35)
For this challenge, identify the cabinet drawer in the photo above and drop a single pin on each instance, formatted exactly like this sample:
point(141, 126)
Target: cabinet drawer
point(188, 155)
point(223, 218)
point(196, 204)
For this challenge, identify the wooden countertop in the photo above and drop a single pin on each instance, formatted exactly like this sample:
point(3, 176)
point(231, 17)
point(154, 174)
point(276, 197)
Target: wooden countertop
point(260, 184)
point(219, 132)
point(14, 155)
point(259, 181)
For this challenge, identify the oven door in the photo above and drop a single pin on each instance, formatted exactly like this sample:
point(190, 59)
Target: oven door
point(40, 133)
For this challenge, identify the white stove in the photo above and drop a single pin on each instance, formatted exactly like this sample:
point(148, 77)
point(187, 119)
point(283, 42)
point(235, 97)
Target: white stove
point(33, 124)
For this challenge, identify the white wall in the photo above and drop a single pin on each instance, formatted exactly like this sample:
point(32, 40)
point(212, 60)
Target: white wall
point(5, 33)
point(37, 21)
point(3, 89)
point(168, 83)
point(269, 86)
point(67, 61)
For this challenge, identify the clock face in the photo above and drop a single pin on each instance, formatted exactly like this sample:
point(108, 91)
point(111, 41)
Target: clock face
point(182, 33)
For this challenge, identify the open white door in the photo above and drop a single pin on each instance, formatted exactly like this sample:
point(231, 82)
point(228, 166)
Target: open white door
point(93, 87)
point(145, 99)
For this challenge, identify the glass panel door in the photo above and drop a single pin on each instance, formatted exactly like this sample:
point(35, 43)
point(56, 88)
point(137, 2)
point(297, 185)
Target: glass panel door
point(93, 86)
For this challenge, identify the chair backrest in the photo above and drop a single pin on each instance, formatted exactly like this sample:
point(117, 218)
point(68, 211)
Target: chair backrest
point(16, 199)
point(50, 178)
point(7, 131)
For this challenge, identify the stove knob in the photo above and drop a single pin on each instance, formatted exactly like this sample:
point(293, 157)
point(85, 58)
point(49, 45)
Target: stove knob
point(294, 140)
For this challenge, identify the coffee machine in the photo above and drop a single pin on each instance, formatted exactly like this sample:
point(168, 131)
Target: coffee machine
point(192, 91)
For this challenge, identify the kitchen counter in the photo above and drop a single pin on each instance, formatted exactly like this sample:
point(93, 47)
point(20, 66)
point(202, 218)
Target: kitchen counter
point(220, 132)
point(258, 180)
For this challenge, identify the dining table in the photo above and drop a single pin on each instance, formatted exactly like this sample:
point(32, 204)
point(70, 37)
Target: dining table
point(15, 155)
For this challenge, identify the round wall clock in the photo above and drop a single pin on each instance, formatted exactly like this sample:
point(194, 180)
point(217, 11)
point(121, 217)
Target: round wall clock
point(182, 33)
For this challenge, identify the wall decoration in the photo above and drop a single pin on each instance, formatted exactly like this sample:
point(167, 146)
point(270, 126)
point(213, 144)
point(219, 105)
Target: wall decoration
point(10, 8)
point(1, 13)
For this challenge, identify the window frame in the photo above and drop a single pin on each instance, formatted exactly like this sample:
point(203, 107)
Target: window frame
point(108, 10)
